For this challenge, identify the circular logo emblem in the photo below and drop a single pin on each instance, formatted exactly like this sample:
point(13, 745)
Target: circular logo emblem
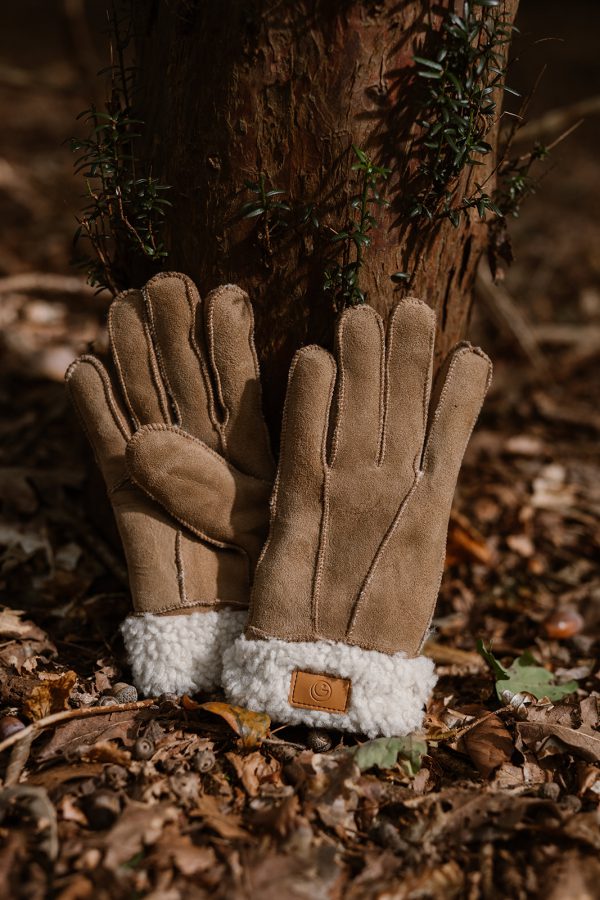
point(320, 691)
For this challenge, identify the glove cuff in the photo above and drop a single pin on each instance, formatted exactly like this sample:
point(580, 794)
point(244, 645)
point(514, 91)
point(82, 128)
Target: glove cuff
point(179, 654)
point(329, 685)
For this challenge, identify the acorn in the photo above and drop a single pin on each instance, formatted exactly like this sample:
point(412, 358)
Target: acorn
point(107, 700)
point(124, 693)
point(318, 740)
point(563, 624)
point(203, 760)
point(143, 748)
point(9, 725)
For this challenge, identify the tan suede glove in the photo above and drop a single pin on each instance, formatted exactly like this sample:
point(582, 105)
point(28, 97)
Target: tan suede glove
point(181, 364)
point(346, 587)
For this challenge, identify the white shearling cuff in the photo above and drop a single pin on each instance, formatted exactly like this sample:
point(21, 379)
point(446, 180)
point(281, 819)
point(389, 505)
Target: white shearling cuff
point(179, 654)
point(386, 697)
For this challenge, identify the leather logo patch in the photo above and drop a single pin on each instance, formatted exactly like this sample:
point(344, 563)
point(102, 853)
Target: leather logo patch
point(311, 691)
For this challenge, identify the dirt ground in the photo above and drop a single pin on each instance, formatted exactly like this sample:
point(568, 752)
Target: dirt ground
point(169, 800)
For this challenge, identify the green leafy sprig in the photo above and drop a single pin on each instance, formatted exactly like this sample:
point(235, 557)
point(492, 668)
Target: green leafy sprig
point(125, 206)
point(459, 108)
point(516, 181)
point(342, 278)
point(268, 206)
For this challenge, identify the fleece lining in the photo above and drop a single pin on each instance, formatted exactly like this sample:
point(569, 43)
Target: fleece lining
point(179, 654)
point(387, 695)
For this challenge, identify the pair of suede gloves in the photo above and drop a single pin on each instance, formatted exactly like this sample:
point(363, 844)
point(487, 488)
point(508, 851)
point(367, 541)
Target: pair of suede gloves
point(307, 591)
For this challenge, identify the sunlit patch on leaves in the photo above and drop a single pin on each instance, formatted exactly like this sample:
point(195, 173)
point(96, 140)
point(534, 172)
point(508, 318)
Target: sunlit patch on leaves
point(386, 752)
point(525, 675)
point(51, 695)
point(251, 727)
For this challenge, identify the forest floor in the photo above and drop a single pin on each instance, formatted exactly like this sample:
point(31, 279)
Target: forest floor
point(167, 799)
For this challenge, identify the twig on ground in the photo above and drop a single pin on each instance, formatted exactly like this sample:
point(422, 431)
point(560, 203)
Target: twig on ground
point(46, 283)
point(40, 725)
point(18, 760)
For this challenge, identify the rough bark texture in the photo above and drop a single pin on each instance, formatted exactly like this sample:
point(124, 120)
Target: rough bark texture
point(285, 87)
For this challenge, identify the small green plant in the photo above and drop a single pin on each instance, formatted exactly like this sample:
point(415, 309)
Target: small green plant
point(342, 278)
point(524, 674)
point(268, 207)
point(125, 205)
point(458, 109)
point(516, 181)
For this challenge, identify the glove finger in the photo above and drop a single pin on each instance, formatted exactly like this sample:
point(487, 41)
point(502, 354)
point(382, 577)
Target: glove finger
point(304, 433)
point(199, 488)
point(135, 360)
point(458, 395)
point(359, 393)
point(230, 341)
point(103, 418)
point(410, 342)
point(175, 318)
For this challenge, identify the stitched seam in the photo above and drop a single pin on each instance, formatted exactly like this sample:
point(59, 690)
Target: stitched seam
point(116, 360)
point(227, 289)
point(324, 523)
point(340, 388)
point(466, 348)
point(108, 394)
point(284, 430)
point(158, 353)
point(209, 606)
point(414, 302)
point(252, 631)
point(161, 426)
point(281, 636)
point(340, 412)
point(210, 343)
point(180, 569)
point(425, 408)
point(160, 392)
point(193, 302)
point(463, 348)
point(382, 395)
point(163, 400)
point(214, 542)
point(220, 424)
point(380, 551)
point(321, 551)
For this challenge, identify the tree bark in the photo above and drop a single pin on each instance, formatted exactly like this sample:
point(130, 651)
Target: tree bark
point(228, 91)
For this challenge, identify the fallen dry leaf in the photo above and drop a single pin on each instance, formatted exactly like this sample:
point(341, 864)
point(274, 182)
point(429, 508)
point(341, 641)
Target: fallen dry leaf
point(50, 695)
point(488, 744)
point(254, 770)
point(549, 738)
point(104, 752)
point(228, 825)
point(138, 827)
point(69, 736)
point(251, 727)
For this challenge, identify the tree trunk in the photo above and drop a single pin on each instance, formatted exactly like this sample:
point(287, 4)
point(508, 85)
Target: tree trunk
point(284, 88)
